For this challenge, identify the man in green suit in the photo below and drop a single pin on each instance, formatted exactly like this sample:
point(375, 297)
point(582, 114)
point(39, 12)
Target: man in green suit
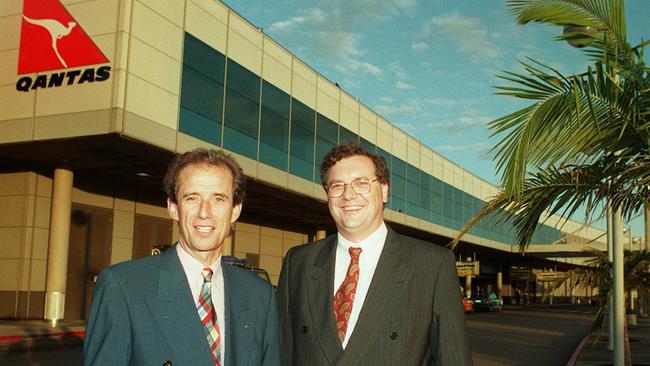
point(368, 296)
point(185, 307)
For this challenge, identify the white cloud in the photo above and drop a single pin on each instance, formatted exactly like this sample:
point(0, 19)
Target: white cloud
point(404, 86)
point(419, 46)
point(399, 71)
point(474, 121)
point(468, 34)
point(360, 11)
point(478, 147)
point(413, 106)
point(355, 67)
point(423, 107)
point(460, 125)
point(310, 17)
point(327, 35)
point(444, 125)
point(441, 102)
point(407, 127)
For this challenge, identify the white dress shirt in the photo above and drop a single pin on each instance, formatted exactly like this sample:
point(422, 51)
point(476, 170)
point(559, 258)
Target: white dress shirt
point(193, 269)
point(371, 248)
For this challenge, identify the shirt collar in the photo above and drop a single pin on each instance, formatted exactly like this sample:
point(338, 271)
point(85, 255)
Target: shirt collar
point(370, 242)
point(193, 266)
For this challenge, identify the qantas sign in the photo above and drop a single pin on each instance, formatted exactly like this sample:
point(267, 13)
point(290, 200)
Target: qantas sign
point(51, 39)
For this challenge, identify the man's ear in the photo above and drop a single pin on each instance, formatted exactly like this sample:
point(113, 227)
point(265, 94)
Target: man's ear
point(384, 192)
point(236, 211)
point(172, 209)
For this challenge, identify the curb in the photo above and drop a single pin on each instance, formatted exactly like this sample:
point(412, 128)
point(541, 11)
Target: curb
point(576, 353)
point(20, 338)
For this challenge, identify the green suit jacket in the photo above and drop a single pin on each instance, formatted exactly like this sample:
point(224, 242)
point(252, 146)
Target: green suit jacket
point(412, 314)
point(143, 314)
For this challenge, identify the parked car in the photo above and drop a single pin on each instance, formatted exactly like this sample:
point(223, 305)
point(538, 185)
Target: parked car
point(468, 304)
point(489, 302)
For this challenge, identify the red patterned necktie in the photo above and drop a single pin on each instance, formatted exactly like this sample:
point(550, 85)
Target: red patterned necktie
point(344, 297)
point(206, 313)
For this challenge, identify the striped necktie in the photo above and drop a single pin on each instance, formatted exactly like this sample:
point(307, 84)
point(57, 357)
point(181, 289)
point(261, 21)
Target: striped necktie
point(207, 315)
point(344, 297)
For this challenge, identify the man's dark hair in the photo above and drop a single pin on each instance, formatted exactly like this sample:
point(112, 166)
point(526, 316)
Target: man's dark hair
point(208, 157)
point(353, 149)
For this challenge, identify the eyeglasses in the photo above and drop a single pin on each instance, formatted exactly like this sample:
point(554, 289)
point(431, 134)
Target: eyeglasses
point(359, 186)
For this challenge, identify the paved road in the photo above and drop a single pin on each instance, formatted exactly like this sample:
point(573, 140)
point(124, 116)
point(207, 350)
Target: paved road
point(519, 336)
point(51, 352)
point(516, 336)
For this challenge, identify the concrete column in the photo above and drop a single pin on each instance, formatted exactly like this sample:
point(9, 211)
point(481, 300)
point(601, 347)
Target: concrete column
point(646, 245)
point(610, 258)
point(643, 298)
point(320, 234)
point(468, 282)
point(499, 283)
point(57, 255)
point(618, 290)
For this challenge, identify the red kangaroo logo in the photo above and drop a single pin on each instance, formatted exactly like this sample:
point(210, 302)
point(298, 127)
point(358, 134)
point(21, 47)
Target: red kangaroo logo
point(47, 44)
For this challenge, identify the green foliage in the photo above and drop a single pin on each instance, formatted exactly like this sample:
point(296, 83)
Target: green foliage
point(597, 275)
point(585, 139)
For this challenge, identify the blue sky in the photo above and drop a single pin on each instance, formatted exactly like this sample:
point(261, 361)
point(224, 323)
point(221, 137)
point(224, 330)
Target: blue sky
point(426, 66)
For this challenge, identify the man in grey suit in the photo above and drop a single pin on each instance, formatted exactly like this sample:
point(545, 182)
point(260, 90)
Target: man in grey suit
point(368, 296)
point(184, 306)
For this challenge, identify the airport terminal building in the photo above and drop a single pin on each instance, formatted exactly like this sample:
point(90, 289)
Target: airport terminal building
point(97, 96)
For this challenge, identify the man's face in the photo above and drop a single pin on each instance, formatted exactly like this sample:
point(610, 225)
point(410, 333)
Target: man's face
point(204, 209)
point(356, 215)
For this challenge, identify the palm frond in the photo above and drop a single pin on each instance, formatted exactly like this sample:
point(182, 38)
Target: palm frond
point(606, 15)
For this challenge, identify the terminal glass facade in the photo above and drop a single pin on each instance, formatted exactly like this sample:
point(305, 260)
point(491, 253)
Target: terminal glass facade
point(262, 122)
point(274, 127)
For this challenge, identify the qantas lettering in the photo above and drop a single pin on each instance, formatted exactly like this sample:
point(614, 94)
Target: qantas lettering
point(27, 83)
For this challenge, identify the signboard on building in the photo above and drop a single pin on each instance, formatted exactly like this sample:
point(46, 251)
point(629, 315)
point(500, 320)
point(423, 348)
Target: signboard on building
point(550, 276)
point(52, 39)
point(521, 274)
point(468, 268)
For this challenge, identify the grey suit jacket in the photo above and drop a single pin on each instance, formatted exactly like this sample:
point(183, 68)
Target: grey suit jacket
point(143, 314)
point(412, 314)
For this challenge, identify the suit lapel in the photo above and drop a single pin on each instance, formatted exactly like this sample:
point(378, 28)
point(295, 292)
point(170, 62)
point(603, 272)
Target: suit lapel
point(176, 315)
point(320, 291)
point(239, 317)
point(391, 274)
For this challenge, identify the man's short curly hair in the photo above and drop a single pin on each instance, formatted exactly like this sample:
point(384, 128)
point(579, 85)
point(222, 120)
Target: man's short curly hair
point(208, 157)
point(343, 151)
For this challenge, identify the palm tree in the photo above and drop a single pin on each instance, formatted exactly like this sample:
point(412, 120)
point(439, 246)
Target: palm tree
point(597, 274)
point(585, 139)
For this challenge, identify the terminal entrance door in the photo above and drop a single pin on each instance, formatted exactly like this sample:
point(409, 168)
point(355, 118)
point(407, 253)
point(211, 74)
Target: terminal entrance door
point(151, 233)
point(90, 241)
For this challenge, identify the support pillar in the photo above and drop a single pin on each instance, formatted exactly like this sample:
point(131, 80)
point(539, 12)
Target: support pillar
point(610, 258)
point(320, 234)
point(646, 244)
point(618, 289)
point(643, 295)
point(499, 282)
point(468, 282)
point(57, 255)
